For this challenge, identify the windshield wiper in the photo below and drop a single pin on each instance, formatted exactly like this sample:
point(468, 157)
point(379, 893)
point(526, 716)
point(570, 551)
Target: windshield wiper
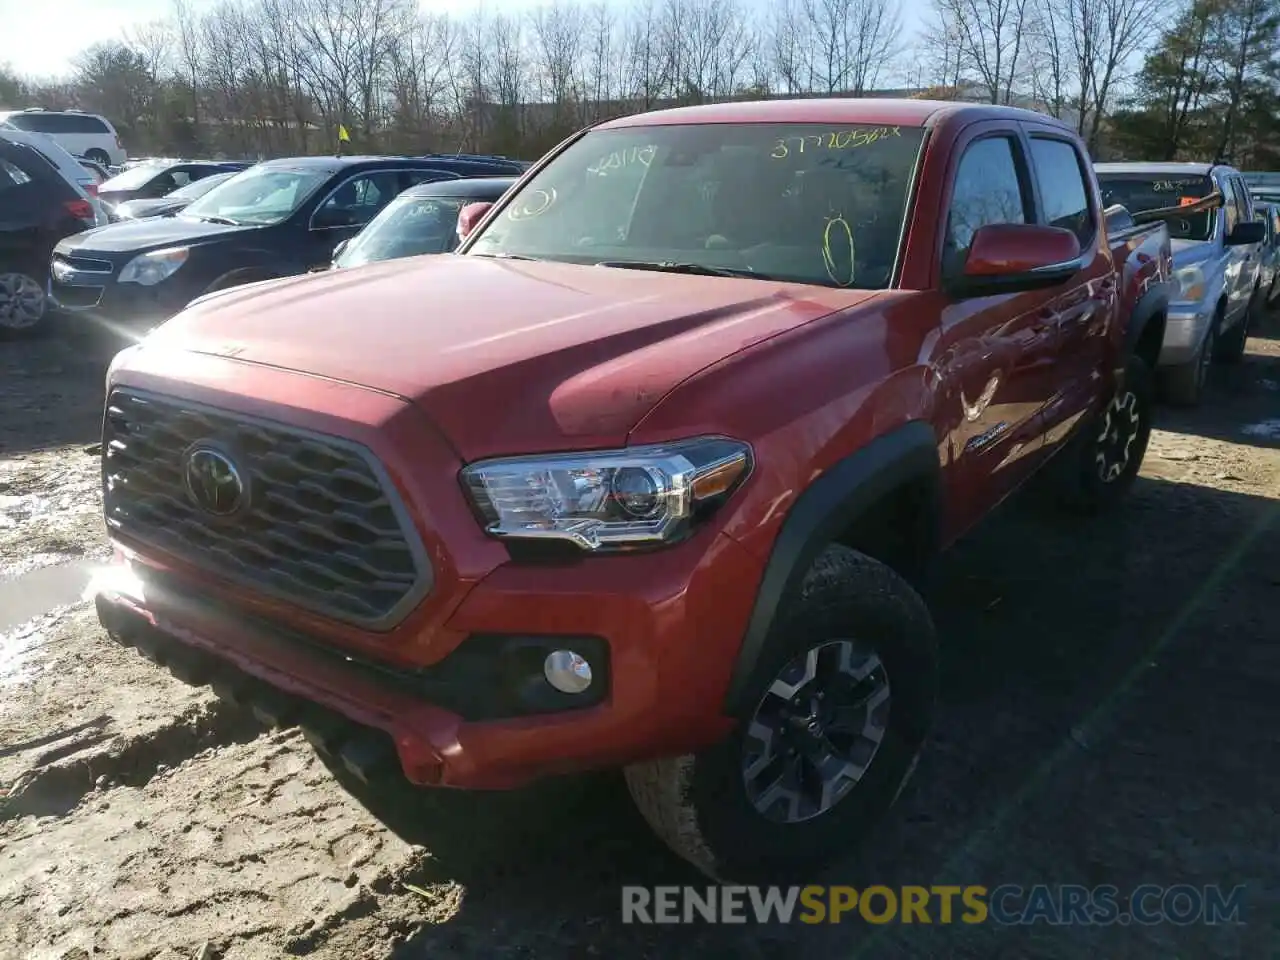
point(673, 266)
point(227, 221)
point(503, 256)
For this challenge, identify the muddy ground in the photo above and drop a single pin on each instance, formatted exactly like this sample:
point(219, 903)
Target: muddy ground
point(1109, 716)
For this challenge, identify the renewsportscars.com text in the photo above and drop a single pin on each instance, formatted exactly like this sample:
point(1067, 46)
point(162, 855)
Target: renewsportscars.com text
point(1007, 904)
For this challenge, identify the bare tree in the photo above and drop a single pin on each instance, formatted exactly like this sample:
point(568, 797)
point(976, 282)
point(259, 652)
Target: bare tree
point(992, 37)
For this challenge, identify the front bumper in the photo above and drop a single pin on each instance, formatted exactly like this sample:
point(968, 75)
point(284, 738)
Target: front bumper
point(1185, 330)
point(667, 620)
point(129, 304)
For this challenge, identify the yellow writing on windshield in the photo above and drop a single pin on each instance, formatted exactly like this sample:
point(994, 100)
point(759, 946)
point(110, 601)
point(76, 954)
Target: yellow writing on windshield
point(620, 159)
point(832, 140)
point(836, 228)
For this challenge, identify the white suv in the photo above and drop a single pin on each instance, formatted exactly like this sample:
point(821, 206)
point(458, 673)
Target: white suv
point(80, 134)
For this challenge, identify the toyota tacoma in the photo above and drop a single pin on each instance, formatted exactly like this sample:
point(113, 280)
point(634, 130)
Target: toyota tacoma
point(646, 474)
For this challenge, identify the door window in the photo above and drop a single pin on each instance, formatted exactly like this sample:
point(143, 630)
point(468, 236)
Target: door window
point(358, 200)
point(989, 188)
point(1231, 211)
point(1062, 187)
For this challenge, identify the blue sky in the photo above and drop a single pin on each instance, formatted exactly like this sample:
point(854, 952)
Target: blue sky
point(41, 37)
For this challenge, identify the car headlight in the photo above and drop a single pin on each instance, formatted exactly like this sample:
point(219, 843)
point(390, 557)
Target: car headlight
point(609, 500)
point(149, 269)
point(1192, 283)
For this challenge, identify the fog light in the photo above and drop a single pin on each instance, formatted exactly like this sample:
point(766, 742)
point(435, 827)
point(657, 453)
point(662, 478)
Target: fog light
point(567, 672)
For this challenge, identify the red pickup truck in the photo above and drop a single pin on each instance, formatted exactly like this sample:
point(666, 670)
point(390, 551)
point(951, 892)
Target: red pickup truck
point(642, 476)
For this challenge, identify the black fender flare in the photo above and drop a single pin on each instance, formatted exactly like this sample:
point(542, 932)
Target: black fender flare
point(854, 485)
point(1153, 303)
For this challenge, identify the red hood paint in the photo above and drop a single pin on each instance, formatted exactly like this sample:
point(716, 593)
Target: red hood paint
point(505, 356)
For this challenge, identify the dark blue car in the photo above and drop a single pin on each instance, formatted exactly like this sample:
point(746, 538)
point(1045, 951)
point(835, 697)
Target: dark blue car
point(276, 219)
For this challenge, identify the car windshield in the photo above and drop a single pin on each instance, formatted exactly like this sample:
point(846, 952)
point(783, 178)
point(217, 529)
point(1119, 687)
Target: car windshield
point(198, 188)
point(1149, 191)
point(134, 178)
point(258, 196)
point(794, 202)
point(407, 227)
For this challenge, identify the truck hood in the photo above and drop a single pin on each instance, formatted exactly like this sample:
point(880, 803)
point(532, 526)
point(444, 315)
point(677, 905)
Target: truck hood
point(1188, 252)
point(504, 356)
point(143, 235)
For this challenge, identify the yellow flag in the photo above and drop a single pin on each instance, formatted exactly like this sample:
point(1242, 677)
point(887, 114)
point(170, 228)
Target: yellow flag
point(343, 136)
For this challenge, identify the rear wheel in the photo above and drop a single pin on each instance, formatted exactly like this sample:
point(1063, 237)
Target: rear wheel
point(99, 157)
point(22, 301)
point(840, 706)
point(1108, 454)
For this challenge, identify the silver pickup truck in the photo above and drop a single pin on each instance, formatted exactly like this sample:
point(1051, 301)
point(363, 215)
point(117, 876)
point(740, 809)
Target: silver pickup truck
point(1216, 257)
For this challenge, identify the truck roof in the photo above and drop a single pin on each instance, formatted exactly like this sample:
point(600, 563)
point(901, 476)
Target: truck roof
point(836, 110)
point(1141, 166)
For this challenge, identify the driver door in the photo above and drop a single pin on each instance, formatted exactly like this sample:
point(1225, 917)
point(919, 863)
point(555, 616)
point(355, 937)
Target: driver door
point(345, 210)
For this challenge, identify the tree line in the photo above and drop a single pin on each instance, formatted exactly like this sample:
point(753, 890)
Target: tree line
point(1197, 79)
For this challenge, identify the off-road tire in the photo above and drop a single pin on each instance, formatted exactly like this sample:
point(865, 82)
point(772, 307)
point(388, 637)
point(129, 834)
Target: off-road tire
point(698, 804)
point(1077, 483)
point(1184, 385)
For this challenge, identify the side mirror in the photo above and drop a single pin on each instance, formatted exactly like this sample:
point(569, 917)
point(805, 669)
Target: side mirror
point(1246, 232)
point(337, 251)
point(470, 215)
point(1013, 257)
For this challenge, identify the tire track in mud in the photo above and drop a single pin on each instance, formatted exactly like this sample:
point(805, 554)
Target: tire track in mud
point(55, 787)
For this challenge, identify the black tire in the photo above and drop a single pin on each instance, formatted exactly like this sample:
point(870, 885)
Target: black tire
point(1103, 461)
point(1184, 385)
point(99, 157)
point(1231, 343)
point(22, 298)
point(699, 804)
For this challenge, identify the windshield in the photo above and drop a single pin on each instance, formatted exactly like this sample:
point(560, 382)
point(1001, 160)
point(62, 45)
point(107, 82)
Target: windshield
point(259, 196)
point(407, 227)
point(794, 202)
point(198, 188)
point(133, 179)
point(1145, 191)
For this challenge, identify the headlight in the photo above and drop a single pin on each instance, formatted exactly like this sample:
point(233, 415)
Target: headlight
point(149, 269)
point(616, 499)
point(1192, 284)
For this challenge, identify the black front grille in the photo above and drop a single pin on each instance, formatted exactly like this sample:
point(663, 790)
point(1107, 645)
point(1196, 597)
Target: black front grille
point(320, 527)
point(87, 265)
point(81, 297)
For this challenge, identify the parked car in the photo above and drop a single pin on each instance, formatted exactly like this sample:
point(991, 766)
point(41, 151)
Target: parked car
point(80, 134)
point(422, 220)
point(276, 219)
point(100, 173)
point(67, 166)
point(642, 474)
point(153, 181)
point(1216, 257)
point(170, 203)
point(1269, 256)
point(38, 207)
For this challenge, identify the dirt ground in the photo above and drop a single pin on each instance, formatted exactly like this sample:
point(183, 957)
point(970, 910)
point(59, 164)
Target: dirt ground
point(1108, 716)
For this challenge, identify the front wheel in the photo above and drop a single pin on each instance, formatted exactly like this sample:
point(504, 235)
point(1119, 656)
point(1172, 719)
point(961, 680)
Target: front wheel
point(840, 706)
point(1184, 385)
